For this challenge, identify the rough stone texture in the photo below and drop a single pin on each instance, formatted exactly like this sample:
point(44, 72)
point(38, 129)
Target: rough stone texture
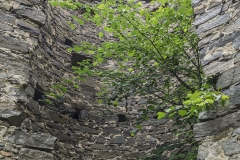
point(217, 26)
point(207, 115)
point(30, 154)
point(34, 38)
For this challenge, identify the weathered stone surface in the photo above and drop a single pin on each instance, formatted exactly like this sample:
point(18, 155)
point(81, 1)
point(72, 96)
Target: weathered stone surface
point(208, 15)
point(28, 27)
point(195, 2)
point(207, 115)
point(18, 137)
point(236, 132)
point(234, 94)
point(231, 147)
point(118, 140)
point(41, 141)
point(6, 154)
point(31, 13)
point(11, 43)
point(107, 154)
point(53, 125)
point(30, 154)
point(98, 146)
point(223, 19)
point(111, 130)
point(13, 117)
point(5, 27)
point(34, 106)
point(201, 130)
point(11, 148)
point(229, 77)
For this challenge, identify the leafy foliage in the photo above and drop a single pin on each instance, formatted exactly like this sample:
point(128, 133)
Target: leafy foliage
point(153, 55)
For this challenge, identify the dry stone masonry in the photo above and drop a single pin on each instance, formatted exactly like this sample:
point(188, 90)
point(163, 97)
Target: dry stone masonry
point(218, 28)
point(34, 38)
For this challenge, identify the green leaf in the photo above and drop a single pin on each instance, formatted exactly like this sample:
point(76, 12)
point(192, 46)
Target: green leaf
point(100, 34)
point(187, 102)
point(132, 134)
point(198, 100)
point(100, 101)
point(115, 103)
point(76, 86)
point(70, 49)
point(225, 97)
point(139, 127)
point(81, 22)
point(182, 112)
point(72, 26)
point(48, 101)
point(160, 115)
point(210, 101)
point(101, 6)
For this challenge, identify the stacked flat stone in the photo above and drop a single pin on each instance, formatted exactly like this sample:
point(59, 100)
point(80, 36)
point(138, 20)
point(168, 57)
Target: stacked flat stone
point(217, 25)
point(34, 38)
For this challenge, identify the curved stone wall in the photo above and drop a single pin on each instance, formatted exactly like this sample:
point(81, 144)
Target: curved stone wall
point(33, 42)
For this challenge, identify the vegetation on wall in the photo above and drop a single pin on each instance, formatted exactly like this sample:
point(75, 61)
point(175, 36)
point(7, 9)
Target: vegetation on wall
point(154, 55)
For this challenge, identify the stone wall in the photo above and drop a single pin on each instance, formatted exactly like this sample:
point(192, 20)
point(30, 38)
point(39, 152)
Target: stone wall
point(33, 42)
point(218, 28)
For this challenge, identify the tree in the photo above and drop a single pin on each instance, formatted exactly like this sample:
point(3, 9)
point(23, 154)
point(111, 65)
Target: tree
point(154, 54)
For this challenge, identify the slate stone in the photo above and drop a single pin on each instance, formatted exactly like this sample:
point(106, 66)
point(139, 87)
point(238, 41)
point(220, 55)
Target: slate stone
point(88, 130)
point(5, 27)
point(41, 141)
point(34, 106)
point(226, 6)
point(223, 19)
point(118, 140)
point(236, 132)
point(56, 118)
point(31, 13)
point(107, 154)
point(229, 77)
point(234, 95)
point(64, 109)
point(231, 147)
point(207, 115)
point(12, 43)
point(111, 130)
point(215, 126)
point(7, 18)
point(212, 58)
point(224, 40)
point(34, 31)
point(208, 15)
point(160, 122)
point(195, 2)
point(144, 147)
point(65, 138)
point(30, 154)
point(98, 146)
point(100, 140)
point(83, 114)
point(236, 43)
point(18, 137)
point(13, 117)
point(53, 125)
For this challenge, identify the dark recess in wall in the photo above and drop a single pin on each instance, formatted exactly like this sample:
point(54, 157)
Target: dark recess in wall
point(78, 58)
point(39, 93)
point(122, 118)
point(68, 42)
